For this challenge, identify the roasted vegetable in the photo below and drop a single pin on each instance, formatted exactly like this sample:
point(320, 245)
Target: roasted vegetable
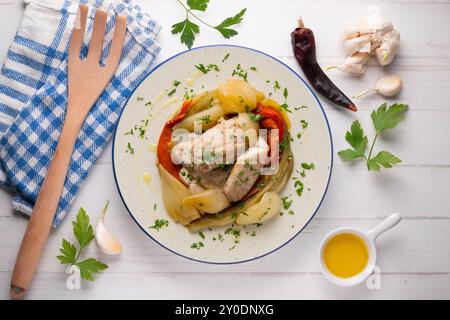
point(261, 211)
point(173, 194)
point(209, 201)
point(304, 47)
point(163, 148)
point(237, 95)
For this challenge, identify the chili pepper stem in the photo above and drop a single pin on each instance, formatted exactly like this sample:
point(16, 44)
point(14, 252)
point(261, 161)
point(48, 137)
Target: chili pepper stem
point(300, 23)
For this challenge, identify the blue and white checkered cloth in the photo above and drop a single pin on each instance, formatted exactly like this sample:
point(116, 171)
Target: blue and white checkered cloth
point(33, 94)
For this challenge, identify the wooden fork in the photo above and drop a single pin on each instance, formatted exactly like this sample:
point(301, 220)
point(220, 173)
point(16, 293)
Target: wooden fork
point(86, 81)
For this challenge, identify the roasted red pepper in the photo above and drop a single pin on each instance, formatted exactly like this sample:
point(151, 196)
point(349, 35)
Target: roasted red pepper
point(163, 149)
point(271, 119)
point(304, 47)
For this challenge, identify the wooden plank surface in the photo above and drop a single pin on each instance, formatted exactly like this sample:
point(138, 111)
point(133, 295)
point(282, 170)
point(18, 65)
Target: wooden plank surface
point(414, 259)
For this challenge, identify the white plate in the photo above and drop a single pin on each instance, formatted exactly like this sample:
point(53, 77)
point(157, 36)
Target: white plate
point(140, 197)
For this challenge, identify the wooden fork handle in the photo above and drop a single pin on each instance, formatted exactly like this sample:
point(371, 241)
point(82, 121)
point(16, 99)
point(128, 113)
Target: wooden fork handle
point(40, 223)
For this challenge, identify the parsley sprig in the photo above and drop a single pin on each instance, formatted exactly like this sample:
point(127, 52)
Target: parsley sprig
point(189, 29)
point(383, 118)
point(70, 254)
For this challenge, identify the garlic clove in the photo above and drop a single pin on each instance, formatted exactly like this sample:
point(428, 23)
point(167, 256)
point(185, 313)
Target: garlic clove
point(354, 64)
point(352, 46)
point(104, 240)
point(389, 86)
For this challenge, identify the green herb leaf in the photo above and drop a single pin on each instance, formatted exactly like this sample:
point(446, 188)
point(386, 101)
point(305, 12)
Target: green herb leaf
point(69, 252)
point(188, 29)
point(200, 5)
point(308, 166)
point(383, 118)
point(388, 117)
point(356, 138)
point(159, 223)
point(82, 229)
point(223, 27)
point(383, 158)
point(90, 266)
point(349, 154)
point(85, 234)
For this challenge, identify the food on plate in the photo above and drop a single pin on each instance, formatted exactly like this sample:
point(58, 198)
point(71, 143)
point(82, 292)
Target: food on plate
point(220, 158)
point(304, 47)
point(388, 86)
point(371, 35)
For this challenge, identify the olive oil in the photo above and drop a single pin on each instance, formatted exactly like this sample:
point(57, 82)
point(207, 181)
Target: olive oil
point(346, 255)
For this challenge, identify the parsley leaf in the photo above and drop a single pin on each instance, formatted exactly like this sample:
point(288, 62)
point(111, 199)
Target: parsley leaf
point(82, 228)
point(89, 267)
point(69, 252)
point(84, 234)
point(356, 138)
point(200, 5)
point(388, 118)
point(383, 118)
point(188, 30)
point(383, 158)
point(223, 27)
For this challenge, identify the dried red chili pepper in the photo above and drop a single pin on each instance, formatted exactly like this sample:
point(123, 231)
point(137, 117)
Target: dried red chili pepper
point(304, 47)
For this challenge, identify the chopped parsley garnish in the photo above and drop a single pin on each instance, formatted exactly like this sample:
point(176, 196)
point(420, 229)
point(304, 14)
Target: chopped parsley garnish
point(284, 143)
point(285, 93)
point(140, 99)
point(197, 245)
point(252, 116)
point(299, 135)
point(148, 104)
point(236, 233)
point(205, 69)
point(226, 57)
point(286, 202)
point(154, 206)
point(276, 85)
point(253, 68)
point(291, 212)
point(172, 92)
point(201, 234)
point(159, 224)
point(176, 83)
point(299, 186)
point(240, 72)
point(130, 149)
point(299, 108)
point(205, 119)
point(253, 234)
point(308, 166)
point(285, 107)
point(304, 124)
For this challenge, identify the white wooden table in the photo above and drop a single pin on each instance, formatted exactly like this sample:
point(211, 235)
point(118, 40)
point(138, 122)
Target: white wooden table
point(414, 258)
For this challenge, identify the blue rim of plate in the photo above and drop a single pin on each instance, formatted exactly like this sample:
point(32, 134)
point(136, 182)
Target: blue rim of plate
point(329, 135)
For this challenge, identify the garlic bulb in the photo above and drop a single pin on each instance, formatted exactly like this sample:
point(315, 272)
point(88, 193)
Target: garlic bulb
point(105, 241)
point(388, 86)
point(371, 34)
